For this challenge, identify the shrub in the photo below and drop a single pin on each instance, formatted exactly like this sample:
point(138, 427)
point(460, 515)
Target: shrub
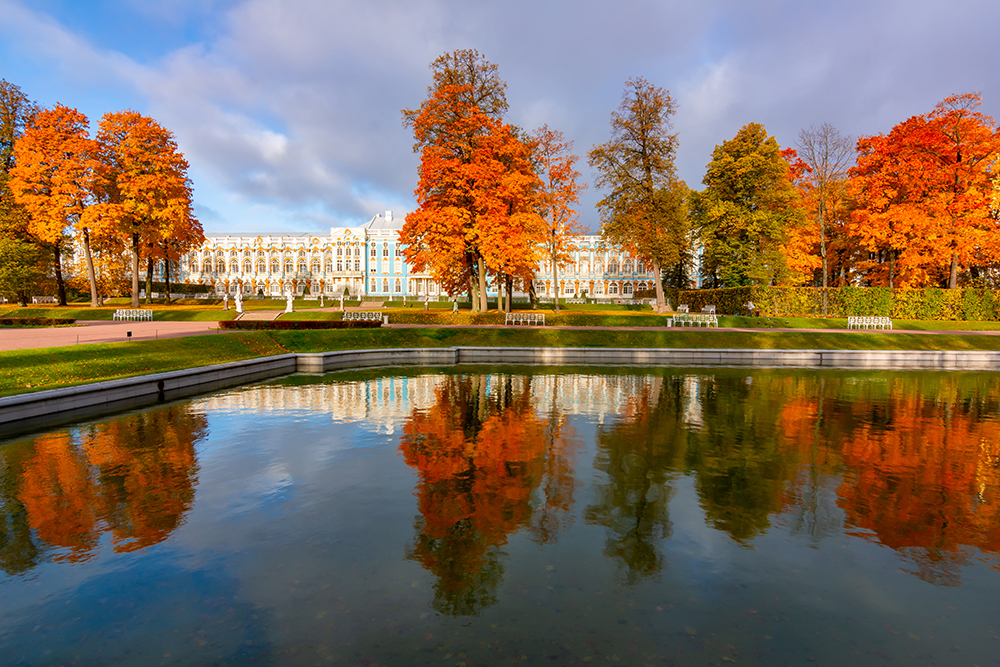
point(284, 325)
point(34, 321)
point(904, 304)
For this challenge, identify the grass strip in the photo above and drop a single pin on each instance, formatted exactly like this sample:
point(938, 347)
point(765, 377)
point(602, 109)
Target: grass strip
point(49, 368)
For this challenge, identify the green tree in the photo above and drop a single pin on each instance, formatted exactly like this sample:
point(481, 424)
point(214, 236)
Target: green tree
point(16, 110)
point(644, 211)
point(745, 211)
point(20, 269)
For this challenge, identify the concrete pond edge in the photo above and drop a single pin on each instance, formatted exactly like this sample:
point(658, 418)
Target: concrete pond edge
point(26, 412)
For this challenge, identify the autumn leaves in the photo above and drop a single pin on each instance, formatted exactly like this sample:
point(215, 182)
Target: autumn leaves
point(126, 189)
point(490, 197)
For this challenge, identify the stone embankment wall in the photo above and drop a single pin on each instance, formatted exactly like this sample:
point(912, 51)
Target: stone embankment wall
point(42, 409)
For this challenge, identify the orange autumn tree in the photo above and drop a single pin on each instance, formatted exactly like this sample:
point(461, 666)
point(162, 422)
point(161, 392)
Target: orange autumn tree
point(475, 193)
point(52, 179)
point(560, 193)
point(799, 248)
point(143, 190)
point(925, 190)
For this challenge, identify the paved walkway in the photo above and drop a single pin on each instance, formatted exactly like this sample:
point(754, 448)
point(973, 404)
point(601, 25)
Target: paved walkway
point(98, 332)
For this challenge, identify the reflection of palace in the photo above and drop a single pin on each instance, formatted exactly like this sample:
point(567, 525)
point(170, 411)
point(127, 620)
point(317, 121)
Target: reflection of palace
point(367, 261)
point(384, 402)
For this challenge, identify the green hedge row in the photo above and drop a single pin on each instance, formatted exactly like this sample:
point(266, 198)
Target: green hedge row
point(297, 324)
point(902, 304)
point(34, 321)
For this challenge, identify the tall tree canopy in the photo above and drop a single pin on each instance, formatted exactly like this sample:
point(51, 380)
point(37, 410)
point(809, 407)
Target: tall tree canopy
point(477, 190)
point(53, 180)
point(20, 260)
point(644, 210)
point(144, 195)
point(829, 155)
point(746, 209)
point(925, 191)
point(560, 193)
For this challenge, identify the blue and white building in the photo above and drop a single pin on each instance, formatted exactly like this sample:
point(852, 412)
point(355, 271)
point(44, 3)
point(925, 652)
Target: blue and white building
point(367, 262)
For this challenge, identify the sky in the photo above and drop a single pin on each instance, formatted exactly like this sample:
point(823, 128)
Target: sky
point(288, 111)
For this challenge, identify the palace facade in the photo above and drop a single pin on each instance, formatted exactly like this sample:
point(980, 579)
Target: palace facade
point(367, 262)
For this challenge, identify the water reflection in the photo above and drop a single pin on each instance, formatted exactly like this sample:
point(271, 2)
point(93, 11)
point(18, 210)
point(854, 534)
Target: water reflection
point(482, 451)
point(132, 478)
point(911, 462)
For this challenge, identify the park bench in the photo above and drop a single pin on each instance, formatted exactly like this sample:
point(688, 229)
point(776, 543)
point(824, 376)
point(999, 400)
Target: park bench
point(683, 308)
point(708, 310)
point(364, 315)
point(43, 299)
point(857, 322)
point(692, 319)
point(132, 314)
point(525, 318)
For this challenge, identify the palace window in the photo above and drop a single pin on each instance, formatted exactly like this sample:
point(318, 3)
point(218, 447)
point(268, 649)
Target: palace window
point(385, 285)
point(374, 253)
point(357, 265)
point(340, 252)
point(385, 252)
point(246, 267)
point(340, 265)
point(627, 289)
point(374, 288)
point(613, 267)
point(397, 287)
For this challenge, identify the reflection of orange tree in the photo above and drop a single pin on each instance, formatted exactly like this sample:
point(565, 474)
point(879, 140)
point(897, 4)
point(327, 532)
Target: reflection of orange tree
point(132, 476)
point(480, 456)
point(924, 480)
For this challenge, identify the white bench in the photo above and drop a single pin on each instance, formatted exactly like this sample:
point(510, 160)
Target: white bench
point(525, 318)
point(43, 299)
point(692, 319)
point(857, 322)
point(129, 314)
point(364, 315)
point(683, 308)
point(708, 310)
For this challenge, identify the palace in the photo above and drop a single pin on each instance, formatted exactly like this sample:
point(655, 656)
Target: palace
point(367, 262)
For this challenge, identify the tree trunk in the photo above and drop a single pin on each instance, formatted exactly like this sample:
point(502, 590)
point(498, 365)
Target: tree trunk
point(555, 276)
point(149, 281)
point(510, 294)
point(658, 281)
point(822, 252)
point(532, 296)
point(484, 305)
point(892, 266)
point(473, 295)
point(166, 276)
point(135, 269)
point(60, 285)
point(95, 300)
point(953, 278)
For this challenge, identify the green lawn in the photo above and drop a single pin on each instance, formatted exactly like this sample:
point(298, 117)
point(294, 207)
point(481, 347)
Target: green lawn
point(46, 368)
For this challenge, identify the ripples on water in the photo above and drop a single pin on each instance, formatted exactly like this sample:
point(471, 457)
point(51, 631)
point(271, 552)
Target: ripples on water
point(633, 517)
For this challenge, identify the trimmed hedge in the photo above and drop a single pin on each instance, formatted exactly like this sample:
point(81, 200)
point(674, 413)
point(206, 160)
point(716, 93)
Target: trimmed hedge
point(34, 321)
point(930, 303)
point(283, 325)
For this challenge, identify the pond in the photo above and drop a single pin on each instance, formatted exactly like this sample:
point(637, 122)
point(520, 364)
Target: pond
point(487, 516)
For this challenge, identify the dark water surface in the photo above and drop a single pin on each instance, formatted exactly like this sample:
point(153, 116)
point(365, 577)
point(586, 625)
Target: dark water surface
point(572, 517)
